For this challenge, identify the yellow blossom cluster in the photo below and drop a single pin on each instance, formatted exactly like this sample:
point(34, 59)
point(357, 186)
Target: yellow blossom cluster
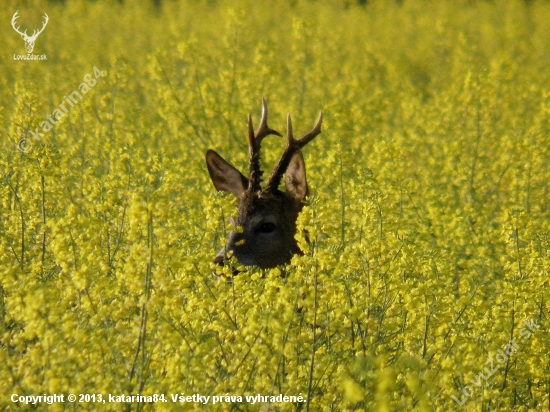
point(424, 283)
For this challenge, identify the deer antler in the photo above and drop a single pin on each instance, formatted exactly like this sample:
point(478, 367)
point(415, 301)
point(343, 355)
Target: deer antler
point(254, 143)
point(37, 32)
point(24, 34)
point(13, 22)
point(292, 146)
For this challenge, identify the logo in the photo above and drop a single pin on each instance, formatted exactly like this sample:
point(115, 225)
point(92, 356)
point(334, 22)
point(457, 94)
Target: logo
point(29, 40)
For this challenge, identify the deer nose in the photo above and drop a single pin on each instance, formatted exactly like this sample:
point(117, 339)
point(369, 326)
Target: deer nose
point(221, 257)
point(218, 259)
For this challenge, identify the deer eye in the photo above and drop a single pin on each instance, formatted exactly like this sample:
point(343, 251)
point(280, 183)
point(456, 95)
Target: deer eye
point(266, 227)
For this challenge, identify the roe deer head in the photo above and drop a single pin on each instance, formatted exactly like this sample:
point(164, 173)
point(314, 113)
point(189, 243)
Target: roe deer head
point(266, 221)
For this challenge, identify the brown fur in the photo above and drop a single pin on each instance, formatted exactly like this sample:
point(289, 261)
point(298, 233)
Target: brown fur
point(267, 217)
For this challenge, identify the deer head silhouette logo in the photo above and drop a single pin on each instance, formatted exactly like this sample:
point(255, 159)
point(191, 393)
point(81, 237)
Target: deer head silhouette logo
point(29, 40)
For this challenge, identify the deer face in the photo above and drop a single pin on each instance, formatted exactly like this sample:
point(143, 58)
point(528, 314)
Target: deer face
point(29, 43)
point(266, 220)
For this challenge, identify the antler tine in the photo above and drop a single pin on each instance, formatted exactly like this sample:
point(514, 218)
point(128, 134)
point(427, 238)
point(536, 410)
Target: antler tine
point(263, 129)
point(46, 20)
point(14, 22)
point(37, 32)
point(313, 133)
point(253, 159)
point(254, 143)
point(292, 146)
point(289, 135)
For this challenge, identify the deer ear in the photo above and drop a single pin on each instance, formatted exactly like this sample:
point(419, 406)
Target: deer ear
point(224, 176)
point(295, 177)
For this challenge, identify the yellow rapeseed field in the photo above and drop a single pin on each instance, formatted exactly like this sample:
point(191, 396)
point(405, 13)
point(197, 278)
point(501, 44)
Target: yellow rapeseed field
point(425, 281)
